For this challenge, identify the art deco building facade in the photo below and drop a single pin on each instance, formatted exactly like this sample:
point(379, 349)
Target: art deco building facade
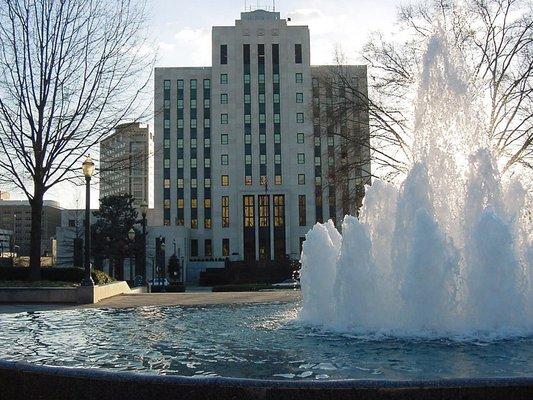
point(244, 158)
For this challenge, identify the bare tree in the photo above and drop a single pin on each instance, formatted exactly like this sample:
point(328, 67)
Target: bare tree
point(494, 39)
point(70, 71)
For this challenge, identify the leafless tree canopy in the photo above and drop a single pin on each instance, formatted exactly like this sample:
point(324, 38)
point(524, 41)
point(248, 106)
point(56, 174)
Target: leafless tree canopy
point(494, 39)
point(70, 71)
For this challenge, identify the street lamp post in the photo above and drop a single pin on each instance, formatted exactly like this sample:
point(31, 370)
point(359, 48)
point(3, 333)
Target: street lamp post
point(131, 237)
point(144, 211)
point(88, 169)
point(163, 264)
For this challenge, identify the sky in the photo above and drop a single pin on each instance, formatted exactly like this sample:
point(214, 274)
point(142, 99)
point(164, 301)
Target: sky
point(181, 35)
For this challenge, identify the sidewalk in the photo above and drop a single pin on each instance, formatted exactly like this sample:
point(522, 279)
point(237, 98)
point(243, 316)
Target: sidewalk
point(200, 297)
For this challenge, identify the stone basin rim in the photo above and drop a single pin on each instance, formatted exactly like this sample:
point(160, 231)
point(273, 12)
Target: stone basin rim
point(124, 376)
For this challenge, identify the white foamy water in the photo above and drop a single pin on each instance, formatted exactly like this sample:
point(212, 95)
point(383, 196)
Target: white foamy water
point(449, 252)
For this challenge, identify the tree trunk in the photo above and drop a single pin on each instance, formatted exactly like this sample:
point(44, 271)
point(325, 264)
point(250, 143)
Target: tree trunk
point(36, 234)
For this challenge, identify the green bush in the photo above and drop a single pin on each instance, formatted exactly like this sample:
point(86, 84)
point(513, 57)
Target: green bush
point(54, 274)
point(242, 288)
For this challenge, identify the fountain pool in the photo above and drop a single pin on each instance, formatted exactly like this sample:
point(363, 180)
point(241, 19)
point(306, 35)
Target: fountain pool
point(262, 341)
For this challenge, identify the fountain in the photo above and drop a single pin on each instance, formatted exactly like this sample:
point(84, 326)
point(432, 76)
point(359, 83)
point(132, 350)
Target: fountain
point(449, 253)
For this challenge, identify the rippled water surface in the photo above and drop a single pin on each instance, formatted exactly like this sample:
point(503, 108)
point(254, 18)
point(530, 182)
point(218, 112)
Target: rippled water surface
point(252, 341)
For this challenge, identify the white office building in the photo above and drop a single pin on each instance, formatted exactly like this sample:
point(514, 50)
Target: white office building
point(244, 163)
point(127, 161)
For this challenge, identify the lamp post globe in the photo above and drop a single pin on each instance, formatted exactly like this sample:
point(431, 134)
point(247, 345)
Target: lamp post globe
point(87, 168)
point(144, 208)
point(131, 234)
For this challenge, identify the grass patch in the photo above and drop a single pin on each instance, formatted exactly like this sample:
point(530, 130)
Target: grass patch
point(36, 284)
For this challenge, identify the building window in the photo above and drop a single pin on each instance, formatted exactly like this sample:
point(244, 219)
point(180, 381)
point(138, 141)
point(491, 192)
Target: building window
point(208, 248)
point(193, 143)
point(246, 78)
point(225, 247)
point(193, 84)
point(300, 118)
point(207, 103)
point(277, 158)
point(301, 179)
point(299, 77)
point(167, 85)
point(207, 123)
point(225, 211)
point(298, 53)
point(207, 182)
point(275, 78)
point(247, 98)
point(193, 122)
point(277, 118)
point(278, 180)
point(207, 162)
point(262, 98)
point(224, 119)
point(194, 223)
point(167, 104)
point(223, 54)
point(166, 183)
point(194, 248)
point(299, 97)
point(224, 180)
point(302, 210)
point(193, 103)
point(166, 143)
point(207, 223)
point(207, 142)
point(223, 98)
point(317, 161)
point(223, 79)
point(300, 138)
point(224, 138)
point(180, 123)
point(166, 163)
point(180, 103)
point(224, 159)
point(315, 82)
point(262, 139)
point(301, 158)
point(276, 98)
point(247, 119)
point(167, 123)
point(277, 138)
point(207, 83)
point(248, 180)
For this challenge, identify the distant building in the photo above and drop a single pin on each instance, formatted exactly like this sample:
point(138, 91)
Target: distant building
point(126, 163)
point(5, 241)
point(243, 170)
point(15, 215)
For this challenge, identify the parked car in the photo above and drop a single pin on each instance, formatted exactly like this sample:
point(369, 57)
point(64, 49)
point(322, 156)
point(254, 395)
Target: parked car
point(159, 282)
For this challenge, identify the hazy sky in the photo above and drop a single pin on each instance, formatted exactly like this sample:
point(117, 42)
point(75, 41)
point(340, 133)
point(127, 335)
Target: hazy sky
point(181, 31)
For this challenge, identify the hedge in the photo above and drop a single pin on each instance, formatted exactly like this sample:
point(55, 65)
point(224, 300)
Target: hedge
point(54, 274)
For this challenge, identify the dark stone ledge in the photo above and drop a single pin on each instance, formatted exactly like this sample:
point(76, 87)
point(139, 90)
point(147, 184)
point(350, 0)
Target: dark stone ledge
point(20, 380)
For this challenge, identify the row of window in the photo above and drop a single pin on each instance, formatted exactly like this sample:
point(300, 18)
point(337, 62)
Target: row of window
point(297, 53)
point(298, 77)
point(208, 248)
